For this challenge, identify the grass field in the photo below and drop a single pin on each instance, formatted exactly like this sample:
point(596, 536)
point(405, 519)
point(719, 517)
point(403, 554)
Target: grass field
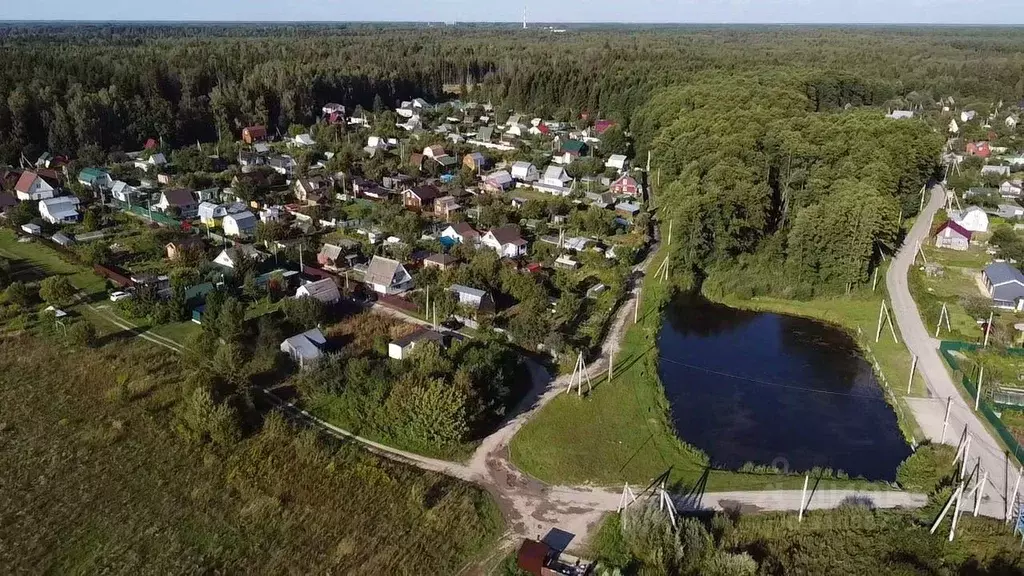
point(33, 261)
point(622, 431)
point(98, 481)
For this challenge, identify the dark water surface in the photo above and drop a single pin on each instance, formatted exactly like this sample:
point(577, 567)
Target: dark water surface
point(774, 389)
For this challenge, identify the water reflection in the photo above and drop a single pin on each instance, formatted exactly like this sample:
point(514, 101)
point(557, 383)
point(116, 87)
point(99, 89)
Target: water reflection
point(756, 387)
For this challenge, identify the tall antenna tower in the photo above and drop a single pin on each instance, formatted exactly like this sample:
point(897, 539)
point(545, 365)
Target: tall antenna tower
point(524, 16)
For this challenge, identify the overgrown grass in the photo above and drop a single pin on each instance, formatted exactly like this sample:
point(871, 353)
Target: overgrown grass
point(97, 481)
point(622, 431)
point(33, 260)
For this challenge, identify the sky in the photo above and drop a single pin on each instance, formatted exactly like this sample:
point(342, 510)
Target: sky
point(562, 11)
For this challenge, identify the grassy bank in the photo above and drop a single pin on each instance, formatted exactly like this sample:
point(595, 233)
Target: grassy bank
point(622, 432)
point(98, 481)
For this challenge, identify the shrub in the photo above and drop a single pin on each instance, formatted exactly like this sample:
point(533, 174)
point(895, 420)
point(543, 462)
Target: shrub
point(57, 290)
point(81, 333)
point(927, 469)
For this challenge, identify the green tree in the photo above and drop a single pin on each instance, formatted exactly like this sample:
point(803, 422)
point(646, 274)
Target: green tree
point(57, 290)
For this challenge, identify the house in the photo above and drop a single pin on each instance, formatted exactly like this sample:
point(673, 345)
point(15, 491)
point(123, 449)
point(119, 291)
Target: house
point(602, 126)
point(59, 210)
point(333, 108)
point(154, 161)
point(435, 151)
point(485, 134)
point(439, 261)
point(210, 214)
point(94, 178)
point(445, 206)
point(967, 115)
point(1005, 285)
point(325, 291)
point(303, 140)
point(31, 186)
point(230, 257)
point(953, 236)
point(62, 239)
point(972, 218)
point(253, 134)
point(627, 209)
point(305, 348)
point(540, 129)
point(556, 176)
point(420, 198)
point(900, 114)
point(387, 276)
point(311, 190)
point(525, 172)
point(506, 241)
point(282, 164)
point(625, 185)
point(574, 148)
point(565, 261)
point(473, 303)
point(403, 347)
point(124, 192)
point(33, 229)
point(460, 233)
point(1010, 211)
point(1011, 122)
point(997, 170)
point(240, 224)
point(497, 182)
point(1011, 189)
point(953, 128)
point(271, 214)
point(179, 199)
point(446, 162)
point(979, 149)
point(178, 248)
point(618, 162)
point(475, 161)
point(332, 256)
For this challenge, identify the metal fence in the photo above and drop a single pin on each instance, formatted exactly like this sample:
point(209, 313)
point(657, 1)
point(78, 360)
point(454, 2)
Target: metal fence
point(948, 350)
point(154, 215)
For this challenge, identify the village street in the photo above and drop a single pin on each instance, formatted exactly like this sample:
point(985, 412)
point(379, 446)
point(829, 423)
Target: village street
point(930, 412)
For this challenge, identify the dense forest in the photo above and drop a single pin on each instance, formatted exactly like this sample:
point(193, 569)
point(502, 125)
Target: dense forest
point(770, 151)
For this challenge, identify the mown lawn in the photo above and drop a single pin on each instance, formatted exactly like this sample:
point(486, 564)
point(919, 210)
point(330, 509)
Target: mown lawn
point(96, 480)
point(34, 261)
point(622, 432)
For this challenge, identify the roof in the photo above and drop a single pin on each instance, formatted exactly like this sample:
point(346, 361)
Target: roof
point(426, 192)
point(507, 234)
point(7, 201)
point(25, 181)
point(422, 334)
point(573, 146)
point(464, 229)
point(555, 173)
point(335, 251)
point(500, 178)
point(306, 345)
point(256, 131)
point(382, 271)
point(521, 165)
point(485, 133)
point(627, 207)
point(617, 158)
point(602, 126)
point(1007, 281)
point(625, 180)
point(179, 197)
point(323, 290)
point(91, 174)
point(442, 259)
point(476, 157)
point(952, 226)
point(532, 556)
point(467, 290)
point(243, 219)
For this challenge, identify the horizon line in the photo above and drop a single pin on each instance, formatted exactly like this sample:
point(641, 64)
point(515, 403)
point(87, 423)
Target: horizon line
point(455, 23)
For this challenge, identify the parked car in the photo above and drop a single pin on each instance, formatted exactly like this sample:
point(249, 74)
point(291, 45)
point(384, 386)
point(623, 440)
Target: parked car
point(119, 295)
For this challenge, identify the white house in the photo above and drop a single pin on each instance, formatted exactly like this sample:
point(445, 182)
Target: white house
point(1010, 189)
point(997, 170)
point(306, 347)
point(304, 140)
point(240, 224)
point(181, 199)
point(618, 162)
point(900, 114)
point(461, 233)
point(387, 276)
point(229, 257)
point(953, 236)
point(209, 213)
point(1011, 122)
point(325, 290)
point(953, 128)
point(506, 241)
point(473, 303)
point(556, 176)
point(972, 218)
point(32, 186)
point(401, 349)
point(525, 172)
point(60, 209)
point(124, 191)
point(967, 115)
point(155, 161)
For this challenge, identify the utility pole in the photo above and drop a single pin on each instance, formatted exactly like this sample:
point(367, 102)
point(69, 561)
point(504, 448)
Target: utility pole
point(945, 420)
point(977, 397)
point(988, 330)
point(636, 309)
point(913, 367)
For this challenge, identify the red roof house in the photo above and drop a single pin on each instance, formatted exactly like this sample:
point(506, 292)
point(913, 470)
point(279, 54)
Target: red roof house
point(602, 126)
point(979, 149)
point(625, 184)
point(252, 134)
point(151, 144)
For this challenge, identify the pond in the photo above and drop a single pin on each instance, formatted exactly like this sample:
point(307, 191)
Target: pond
point(775, 390)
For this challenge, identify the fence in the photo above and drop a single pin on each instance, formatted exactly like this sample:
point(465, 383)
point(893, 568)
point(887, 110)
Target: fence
point(949, 351)
point(154, 215)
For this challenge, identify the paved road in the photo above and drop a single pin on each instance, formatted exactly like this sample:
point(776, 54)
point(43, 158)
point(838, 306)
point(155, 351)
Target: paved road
point(930, 412)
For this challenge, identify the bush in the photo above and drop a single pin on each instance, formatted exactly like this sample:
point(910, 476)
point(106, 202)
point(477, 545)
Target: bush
point(57, 290)
point(81, 333)
point(928, 469)
point(19, 295)
point(201, 421)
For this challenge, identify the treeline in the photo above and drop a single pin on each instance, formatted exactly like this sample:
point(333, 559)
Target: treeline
point(777, 183)
point(83, 89)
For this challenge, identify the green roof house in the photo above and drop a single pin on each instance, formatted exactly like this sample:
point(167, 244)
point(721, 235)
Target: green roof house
point(574, 147)
point(95, 178)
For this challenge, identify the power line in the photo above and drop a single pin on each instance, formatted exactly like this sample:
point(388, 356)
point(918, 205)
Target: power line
point(766, 383)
